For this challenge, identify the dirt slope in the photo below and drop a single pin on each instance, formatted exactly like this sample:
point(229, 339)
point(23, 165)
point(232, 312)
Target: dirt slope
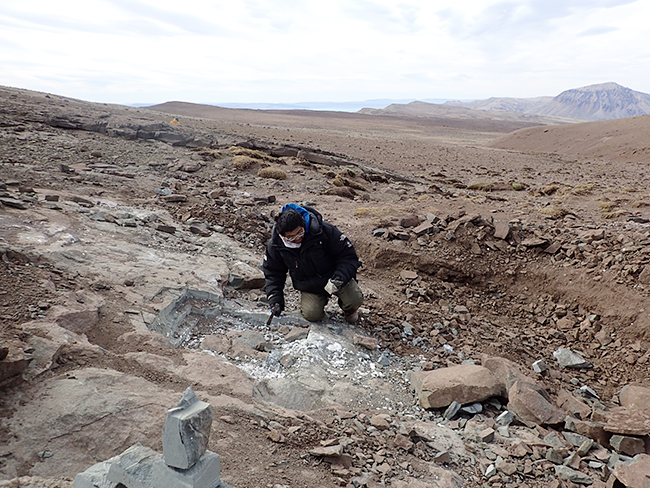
point(620, 141)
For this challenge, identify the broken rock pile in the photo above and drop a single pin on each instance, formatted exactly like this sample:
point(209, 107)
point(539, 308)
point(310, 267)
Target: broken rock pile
point(577, 436)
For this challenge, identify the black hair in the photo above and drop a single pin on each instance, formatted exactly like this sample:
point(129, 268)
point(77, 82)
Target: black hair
point(288, 220)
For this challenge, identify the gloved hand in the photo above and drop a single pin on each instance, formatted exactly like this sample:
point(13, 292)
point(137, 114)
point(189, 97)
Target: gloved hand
point(333, 286)
point(276, 309)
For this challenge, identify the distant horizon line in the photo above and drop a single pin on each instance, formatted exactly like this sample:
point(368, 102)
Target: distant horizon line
point(373, 103)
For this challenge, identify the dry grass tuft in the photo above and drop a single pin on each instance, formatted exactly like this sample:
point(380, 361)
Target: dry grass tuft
point(375, 212)
point(251, 153)
point(582, 190)
point(341, 191)
point(554, 212)
point(242, 163)
point(552, 189)
point(640, 203)
point(343, 181)
point(272, 172)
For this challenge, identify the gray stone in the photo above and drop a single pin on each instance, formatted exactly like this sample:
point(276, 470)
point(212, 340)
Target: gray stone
point(540, 366)
point(12, 202)
point(574, 439)
point(133, 467)
point(505, 418)
point(553, 440)
point(588, 392)
point(503, 431)
point(186, 431)
point(452, 410)
point(94, 477)
point(568, 474)
point(205, 473)
point(472, 409)
point(490, 471)
point(554, 455)
point(569, 359)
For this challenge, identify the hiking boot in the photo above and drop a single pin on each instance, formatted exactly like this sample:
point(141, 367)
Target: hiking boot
point(352, 317)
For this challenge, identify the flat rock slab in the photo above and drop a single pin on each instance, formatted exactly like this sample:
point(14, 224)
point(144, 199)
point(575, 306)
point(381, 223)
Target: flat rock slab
point(532, 405)
point(87, 414)
point(628, 422)
point(466, 383)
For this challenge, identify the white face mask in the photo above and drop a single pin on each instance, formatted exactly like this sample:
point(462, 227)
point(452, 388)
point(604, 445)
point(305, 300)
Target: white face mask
point(289, 244)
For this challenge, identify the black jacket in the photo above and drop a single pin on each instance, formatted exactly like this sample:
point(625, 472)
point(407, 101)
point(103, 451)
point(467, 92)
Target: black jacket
point(325, 253)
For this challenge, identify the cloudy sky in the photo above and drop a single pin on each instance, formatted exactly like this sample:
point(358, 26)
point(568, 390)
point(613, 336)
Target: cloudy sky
point(210, 51)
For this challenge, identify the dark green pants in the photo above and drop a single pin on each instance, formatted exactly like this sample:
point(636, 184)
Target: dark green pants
point(312, 306)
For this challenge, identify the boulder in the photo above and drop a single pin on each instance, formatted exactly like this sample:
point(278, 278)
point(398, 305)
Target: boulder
point(532, 405)
point(467, 383)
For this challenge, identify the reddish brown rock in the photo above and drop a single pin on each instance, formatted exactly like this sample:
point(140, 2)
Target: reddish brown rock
point(630, 446)
point(628, 422)
point(380, 421)
point(532, 405)
point(467, 383)
point(593, 430)
point(501, 230)
point(367, 342)
point(635, 397)
point(505, 371)
point(570, 404)
point(403, 442)
point(636, 473)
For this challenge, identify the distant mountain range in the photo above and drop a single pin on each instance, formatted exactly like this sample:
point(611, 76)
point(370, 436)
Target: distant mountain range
point(604, 101)
point(351, 106)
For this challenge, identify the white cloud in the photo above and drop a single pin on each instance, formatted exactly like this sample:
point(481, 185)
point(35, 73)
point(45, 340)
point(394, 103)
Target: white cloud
point(295, 50)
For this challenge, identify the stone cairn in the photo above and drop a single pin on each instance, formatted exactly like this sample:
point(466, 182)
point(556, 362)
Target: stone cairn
point(185, 462)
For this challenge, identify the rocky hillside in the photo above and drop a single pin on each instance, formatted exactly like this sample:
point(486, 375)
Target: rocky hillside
point(604, 101)
point(496, 119)
point(506, 104)
point(597, 102)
